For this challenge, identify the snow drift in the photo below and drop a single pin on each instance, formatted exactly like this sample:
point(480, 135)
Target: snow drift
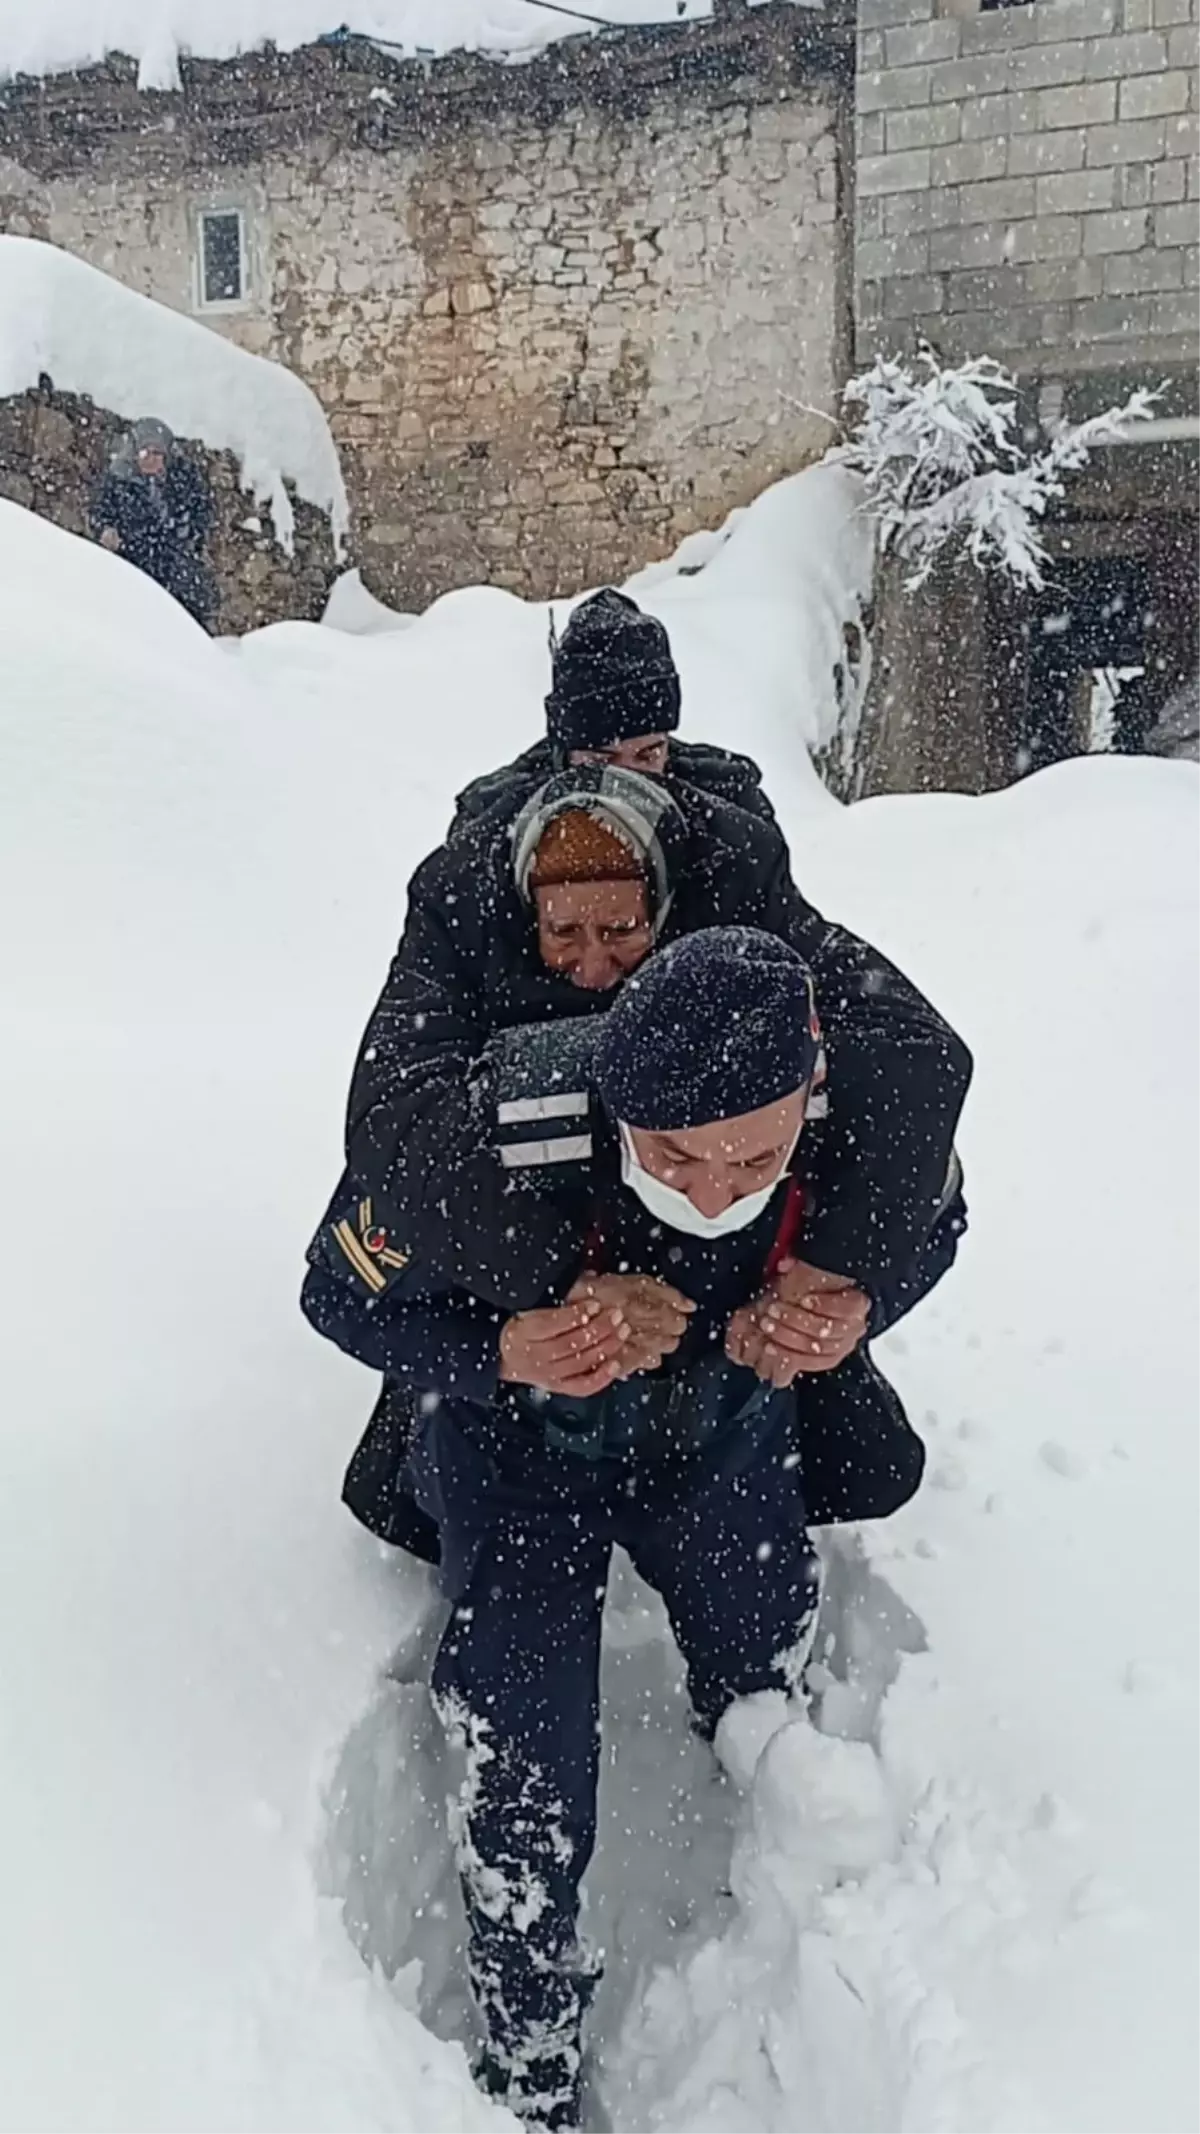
point(967, 1904)
point(92, 335)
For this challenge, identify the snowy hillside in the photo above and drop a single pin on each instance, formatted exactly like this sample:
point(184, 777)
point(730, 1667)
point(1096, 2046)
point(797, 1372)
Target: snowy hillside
point(78, 33)
point(92, 335)
point(967, 1905)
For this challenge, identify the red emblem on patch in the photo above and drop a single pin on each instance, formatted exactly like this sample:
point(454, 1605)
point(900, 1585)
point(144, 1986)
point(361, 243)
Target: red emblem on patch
point(375, 1239)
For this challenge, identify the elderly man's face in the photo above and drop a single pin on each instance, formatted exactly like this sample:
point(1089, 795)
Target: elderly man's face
point(593, 933)
point(151, 461)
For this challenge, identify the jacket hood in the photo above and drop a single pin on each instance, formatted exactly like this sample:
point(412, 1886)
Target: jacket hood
point(635, 808)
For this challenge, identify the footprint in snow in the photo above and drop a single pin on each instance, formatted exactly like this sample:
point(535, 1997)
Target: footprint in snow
point(1060, 1459)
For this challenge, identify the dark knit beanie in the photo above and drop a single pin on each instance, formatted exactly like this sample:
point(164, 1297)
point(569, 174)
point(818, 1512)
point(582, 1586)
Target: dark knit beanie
point(718, 1024)
point(613, 676)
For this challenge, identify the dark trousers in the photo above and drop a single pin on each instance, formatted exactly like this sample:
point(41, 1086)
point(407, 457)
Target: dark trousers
point(526, 1534)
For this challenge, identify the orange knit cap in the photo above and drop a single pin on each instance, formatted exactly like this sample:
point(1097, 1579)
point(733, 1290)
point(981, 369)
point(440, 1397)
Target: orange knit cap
point(578, 847)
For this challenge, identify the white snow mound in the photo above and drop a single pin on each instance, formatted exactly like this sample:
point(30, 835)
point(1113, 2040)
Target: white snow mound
point(91, 334)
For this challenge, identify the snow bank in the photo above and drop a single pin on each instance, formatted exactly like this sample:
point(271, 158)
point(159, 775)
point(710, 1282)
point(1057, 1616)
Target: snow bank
point(78, 33)
point(353, 609)
point(188, 1628)
point(762, 624)
point(971, 1904)
point(135, 357)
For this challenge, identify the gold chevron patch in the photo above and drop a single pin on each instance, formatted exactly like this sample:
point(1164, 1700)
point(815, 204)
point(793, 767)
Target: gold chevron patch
point(368, 1249)
point(363, 1267)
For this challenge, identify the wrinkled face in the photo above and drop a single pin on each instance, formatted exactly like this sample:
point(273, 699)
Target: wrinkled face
point(593, 933)
point(716, 1165)
point(150, 460)
point(645, 752)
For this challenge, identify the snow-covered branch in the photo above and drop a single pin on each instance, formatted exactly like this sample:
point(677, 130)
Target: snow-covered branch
point(941, 458)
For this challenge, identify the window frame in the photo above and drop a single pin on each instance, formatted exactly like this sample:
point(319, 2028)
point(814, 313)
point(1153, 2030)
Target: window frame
point(204, 215)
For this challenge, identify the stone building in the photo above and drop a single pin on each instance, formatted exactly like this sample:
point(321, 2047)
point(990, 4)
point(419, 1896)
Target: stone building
point(1028, 186)
point(54, 449)
point(559, 315)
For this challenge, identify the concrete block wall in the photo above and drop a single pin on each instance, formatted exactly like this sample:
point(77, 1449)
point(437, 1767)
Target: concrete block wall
point(1028, 183)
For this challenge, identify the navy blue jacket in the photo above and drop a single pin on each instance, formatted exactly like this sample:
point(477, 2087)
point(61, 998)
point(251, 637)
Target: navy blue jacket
point(419, 1136)
point(156, 518)
point(364, 1292)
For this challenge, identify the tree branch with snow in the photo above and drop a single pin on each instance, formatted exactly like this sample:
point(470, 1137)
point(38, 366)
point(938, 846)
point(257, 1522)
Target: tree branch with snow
point(942, 461)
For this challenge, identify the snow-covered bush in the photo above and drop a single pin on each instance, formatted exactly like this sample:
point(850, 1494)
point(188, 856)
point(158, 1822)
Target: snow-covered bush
point(943, 461)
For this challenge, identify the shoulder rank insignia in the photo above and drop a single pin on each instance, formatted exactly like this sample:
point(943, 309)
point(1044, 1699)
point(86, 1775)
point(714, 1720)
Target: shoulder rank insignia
point(364, 1243)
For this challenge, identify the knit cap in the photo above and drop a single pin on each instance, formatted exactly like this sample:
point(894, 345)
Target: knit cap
point(719, 1024)
point(613, 676)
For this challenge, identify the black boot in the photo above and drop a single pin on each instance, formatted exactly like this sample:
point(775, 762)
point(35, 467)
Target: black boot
point(545, 2092)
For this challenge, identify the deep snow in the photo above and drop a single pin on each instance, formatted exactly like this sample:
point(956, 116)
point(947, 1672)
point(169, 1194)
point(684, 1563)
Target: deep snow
point(90, 334)
point(971, 1904)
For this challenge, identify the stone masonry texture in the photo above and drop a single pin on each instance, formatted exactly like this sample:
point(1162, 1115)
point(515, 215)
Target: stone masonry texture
point(559, 315)
point(54, 449)
point(1030, 181)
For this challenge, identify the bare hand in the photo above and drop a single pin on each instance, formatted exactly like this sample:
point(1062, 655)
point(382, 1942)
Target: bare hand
point(808, 1320)
point(110, 538)
point(569, 1348)
point(655, 1314)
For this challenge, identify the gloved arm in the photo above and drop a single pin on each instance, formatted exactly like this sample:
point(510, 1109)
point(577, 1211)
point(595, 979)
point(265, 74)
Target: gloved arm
point(884, 1169)
point(104, 511)
point(447, 1345)
point(379, 1302)
point(897, 1290)
point(897, 1077)
point(421, 1124)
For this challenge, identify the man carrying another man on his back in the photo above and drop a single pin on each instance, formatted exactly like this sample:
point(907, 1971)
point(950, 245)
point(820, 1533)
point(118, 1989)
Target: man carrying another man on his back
point(652, 1387)
point(621, 1265)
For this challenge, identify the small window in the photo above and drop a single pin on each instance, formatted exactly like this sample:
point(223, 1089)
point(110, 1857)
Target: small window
point(222, 257)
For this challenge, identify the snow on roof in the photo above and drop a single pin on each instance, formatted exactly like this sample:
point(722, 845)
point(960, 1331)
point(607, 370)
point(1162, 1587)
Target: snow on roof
point(90, 334)
point(53, 38)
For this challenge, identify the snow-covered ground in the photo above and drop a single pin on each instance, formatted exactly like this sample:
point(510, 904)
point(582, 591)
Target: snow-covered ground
point(77, 33)
point(970, 1903)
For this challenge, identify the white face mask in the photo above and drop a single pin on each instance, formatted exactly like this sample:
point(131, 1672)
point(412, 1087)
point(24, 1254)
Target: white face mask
point(668, 1205)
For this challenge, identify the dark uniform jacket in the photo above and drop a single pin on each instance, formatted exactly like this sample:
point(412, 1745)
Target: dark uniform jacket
point(420, 1125)
point(374, 1296)
point(163, 524)
point(718, 772)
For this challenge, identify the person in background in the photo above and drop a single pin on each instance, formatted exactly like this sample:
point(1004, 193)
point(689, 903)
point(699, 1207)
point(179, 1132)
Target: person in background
point(615, 698)
point(154, 507)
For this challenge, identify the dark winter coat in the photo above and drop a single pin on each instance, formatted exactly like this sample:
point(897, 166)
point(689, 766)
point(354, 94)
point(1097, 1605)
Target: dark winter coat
point(857, 1455)
point(163, 524)
point(717, 772)
point(420, 1127)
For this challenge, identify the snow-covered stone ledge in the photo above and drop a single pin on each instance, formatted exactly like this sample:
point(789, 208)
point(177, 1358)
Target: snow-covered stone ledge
point(81, 356)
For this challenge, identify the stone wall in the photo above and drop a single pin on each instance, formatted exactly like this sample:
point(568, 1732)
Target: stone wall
point(54, 448)
point(559, 315)
point(1028, 181)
